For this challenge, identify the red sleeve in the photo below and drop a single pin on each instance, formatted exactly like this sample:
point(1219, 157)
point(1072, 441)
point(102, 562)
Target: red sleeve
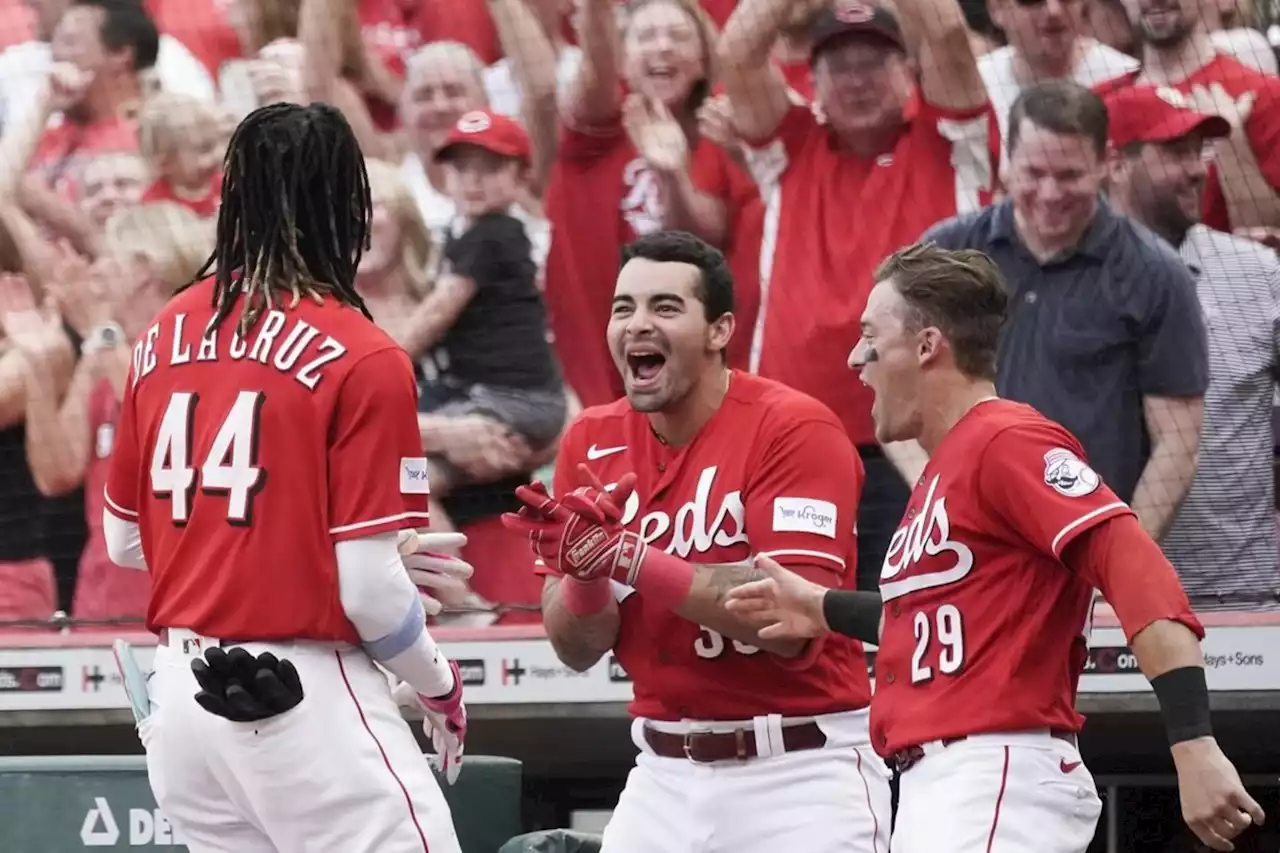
point(1213, 206)
point(794, 131)
point(124, 468)
point(590, 143)
point(467, 21)
point(377, 473)
point(709, 166)
point(802, 500)
point(1033, 476)
point(1263, 128)
point(1119, 558)
point(158, 191)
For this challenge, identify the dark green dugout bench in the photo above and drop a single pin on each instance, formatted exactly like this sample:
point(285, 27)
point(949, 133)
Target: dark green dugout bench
point(59, 804)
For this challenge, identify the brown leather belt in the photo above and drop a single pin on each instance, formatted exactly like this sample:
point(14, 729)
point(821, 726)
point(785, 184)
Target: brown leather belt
point(737, 745)
point(907, 757)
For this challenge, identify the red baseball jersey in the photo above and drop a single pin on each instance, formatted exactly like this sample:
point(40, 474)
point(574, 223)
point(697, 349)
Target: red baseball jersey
point(244, 459)
point(771, 473)
point(984, 627)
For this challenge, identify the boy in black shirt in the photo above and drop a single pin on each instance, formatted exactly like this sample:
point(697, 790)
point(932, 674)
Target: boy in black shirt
point(491, 356)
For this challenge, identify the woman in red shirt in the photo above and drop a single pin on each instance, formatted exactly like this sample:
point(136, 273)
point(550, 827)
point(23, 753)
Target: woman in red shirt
point(630, 144)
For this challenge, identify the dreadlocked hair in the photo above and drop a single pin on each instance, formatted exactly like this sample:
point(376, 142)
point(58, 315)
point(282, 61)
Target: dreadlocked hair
point(295, 213)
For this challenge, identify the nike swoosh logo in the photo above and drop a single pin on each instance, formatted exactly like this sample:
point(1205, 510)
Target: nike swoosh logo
point(594, 453)
point(1068, 766)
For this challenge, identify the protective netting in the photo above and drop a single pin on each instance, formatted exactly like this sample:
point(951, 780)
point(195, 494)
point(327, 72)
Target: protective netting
point(1118, 159)
point(1158, 348)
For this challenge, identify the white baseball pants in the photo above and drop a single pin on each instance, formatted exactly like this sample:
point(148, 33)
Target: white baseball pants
point(830, 800)
point(341, 771)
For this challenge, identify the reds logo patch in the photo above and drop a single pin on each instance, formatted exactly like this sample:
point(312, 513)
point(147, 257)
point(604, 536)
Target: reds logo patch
point(853, 12)
point(474, 122)
point(1068, 474)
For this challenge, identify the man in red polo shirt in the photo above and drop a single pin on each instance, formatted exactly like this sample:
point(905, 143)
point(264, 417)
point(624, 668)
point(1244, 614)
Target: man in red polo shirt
point(1178, 52)
point(884, 155)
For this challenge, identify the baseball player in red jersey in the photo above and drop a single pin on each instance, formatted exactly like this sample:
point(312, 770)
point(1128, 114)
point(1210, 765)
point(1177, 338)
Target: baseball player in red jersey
point(745, 745)
point(985, 594)
point(266, 460)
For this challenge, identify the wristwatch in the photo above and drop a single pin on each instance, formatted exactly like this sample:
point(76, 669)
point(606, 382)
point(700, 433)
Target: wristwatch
point(104, 337)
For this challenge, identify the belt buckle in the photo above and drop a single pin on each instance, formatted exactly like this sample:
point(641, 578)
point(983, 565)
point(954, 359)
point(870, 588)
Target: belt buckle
point(688, 745)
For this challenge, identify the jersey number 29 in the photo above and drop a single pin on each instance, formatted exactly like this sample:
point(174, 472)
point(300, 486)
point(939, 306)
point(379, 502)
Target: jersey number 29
point(946, 631)
point(230, 469)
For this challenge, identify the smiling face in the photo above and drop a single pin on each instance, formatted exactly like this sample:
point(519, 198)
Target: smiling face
point(1043, 31)
point(863, 84)
point(111, 183)
point(661, 340)
point(1054, 179)
point(1163, 23)
point(1162, 183)
point(442, 82)
point(664, 52)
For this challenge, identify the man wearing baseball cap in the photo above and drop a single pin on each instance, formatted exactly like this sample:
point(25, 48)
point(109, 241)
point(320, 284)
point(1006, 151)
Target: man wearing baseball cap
point(1222, 538)
point(899, 137)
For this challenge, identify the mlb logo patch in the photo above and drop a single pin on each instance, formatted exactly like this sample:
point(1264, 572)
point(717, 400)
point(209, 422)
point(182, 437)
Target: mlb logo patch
point(413, 476)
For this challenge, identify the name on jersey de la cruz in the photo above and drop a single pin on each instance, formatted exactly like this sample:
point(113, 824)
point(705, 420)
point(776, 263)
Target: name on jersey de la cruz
point(300, 350)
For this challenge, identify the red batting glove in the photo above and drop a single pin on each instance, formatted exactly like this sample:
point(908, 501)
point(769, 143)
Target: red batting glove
point(580, 536)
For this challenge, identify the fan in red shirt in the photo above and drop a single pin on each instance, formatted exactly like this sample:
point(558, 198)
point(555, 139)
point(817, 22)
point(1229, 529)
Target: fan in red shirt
point(1178, 52)
point(880, 157)
point(986, 593)
point(266, 457)
point(630, 163)
point(708, 466)
point(182, 141)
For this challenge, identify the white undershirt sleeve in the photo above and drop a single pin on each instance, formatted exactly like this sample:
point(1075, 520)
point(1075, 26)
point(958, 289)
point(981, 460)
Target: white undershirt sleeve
point(124, 541)
point(386, 610)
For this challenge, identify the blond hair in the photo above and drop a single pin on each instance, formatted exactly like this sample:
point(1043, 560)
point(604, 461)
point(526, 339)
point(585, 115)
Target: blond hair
point(174, 240)
point(163, 119)
point(419, 254)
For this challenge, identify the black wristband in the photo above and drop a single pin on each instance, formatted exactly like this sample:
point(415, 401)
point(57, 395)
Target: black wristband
point(853, 613)
point(1184, 703)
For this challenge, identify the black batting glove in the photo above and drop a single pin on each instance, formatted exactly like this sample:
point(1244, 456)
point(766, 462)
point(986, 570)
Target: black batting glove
point(242, 688)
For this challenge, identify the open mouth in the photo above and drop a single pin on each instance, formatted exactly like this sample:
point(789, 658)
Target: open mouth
point(645, 367)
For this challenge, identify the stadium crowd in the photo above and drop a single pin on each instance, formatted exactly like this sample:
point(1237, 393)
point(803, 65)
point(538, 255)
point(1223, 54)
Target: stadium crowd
point(1119, 159)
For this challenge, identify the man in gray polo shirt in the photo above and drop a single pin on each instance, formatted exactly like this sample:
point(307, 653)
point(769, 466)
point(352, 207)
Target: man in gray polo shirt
point(1104, 333)
point(1223, 539)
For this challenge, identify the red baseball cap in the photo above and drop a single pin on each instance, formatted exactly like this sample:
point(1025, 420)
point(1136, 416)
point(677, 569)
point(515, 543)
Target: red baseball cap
point(488, 130)
point(1138, 114)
